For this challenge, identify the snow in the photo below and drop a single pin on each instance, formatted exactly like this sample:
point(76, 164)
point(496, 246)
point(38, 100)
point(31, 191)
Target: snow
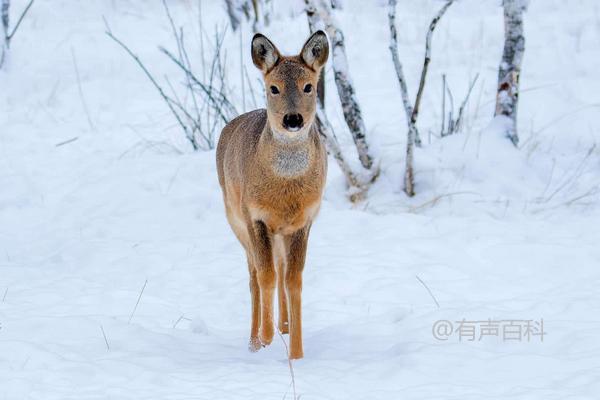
point(493, 232)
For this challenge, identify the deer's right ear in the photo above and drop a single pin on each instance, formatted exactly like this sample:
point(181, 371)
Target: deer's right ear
point(264, 53)
point(316, 50)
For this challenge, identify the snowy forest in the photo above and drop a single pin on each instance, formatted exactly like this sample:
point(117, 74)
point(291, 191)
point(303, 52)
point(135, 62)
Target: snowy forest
point(455, 250)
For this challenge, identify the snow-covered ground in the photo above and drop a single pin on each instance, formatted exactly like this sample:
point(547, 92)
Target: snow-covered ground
point(493, 233)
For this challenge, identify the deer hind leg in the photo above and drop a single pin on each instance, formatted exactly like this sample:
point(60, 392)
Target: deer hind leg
point(296, 255)
point(279, 257)
point(265, 274)
point(254, 344)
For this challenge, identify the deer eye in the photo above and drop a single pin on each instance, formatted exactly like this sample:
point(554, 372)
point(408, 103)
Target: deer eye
point(274, 90)
point(307, 88)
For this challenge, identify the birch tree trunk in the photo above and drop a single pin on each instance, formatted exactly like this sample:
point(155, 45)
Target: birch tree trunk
point(507, 98)
point(333, 148)
point(412, 113)
point(319, 15)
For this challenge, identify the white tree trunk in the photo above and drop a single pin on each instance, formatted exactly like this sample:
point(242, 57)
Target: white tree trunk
point(408, 109)
point(333, 148)
point(412, 113)
point(507, 98)
point(357, 184)
point(320, 17)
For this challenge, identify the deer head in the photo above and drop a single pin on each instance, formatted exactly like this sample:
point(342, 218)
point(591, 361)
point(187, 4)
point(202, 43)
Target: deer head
point(290, 83)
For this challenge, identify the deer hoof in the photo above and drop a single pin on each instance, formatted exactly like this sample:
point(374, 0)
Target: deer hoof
point(254, 344)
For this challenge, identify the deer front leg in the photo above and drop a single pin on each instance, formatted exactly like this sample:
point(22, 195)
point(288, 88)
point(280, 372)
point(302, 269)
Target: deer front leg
point(279, 256)
point(283, 323)
point(296, 246)
point(265, 274)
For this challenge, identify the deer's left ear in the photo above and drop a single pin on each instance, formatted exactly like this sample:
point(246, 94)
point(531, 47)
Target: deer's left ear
point(316, 50)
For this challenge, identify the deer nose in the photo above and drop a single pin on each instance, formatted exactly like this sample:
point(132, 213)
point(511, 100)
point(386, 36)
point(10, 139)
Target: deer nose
point(292, 122)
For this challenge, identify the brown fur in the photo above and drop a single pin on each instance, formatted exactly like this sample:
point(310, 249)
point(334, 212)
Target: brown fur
point(272, 182)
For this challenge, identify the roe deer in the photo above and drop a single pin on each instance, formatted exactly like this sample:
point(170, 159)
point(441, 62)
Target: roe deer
point(272, 167)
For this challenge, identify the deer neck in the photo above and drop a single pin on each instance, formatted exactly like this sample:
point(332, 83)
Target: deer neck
point(288, 156)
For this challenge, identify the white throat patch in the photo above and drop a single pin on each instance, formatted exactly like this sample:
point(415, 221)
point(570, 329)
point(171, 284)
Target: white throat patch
point(292, 155)
point(291, 161)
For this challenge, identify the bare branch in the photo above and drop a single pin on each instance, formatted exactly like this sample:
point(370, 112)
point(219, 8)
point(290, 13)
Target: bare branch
point(287, 352)
point(461, 110)
point(210, 92)
point(138, 301)
point(412, 112)
point(443, 105)
point(166, 98)
point(432, 25)
point(105, 339)
point(12, 34)
point(321, 14)
point(66, 141)
point(80, 89)
point(429, 290)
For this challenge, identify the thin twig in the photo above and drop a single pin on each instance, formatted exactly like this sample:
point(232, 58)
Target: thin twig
point(166, 98)
point(207, 89)
point(5, 293)
point(172, 23)
point(194, 121)
point(138, 301)
point(592, 191)
point(105, 339)
point(443, 105)
point(576, 173)
point(183, 57)
point(9, 37)
point(437, 198)
point(179, 320)
point(457, 124)
point(67, 141)
point(432, 25)
point(189, 84)
point(80, 88)
point(426, 287)
point(287, 354)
